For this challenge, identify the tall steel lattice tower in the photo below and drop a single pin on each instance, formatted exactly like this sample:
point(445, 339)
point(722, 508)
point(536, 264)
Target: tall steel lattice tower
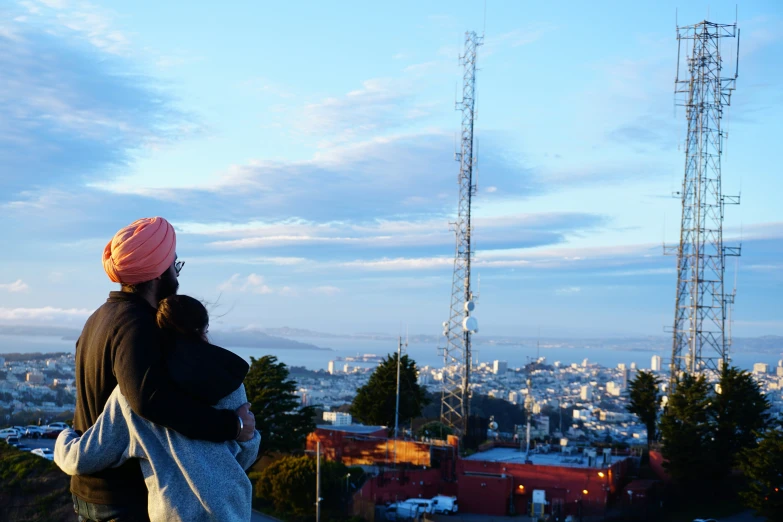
point(700, 341)
point(455, 403)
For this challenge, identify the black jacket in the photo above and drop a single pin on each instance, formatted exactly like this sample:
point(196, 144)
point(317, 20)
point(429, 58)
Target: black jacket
point(205, 371)
point(121, 344)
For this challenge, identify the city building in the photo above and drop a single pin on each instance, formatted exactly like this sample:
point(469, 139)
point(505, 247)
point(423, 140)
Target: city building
point(761, 368)
point(330, 368)
point(499, 367)
point(586, 393)
point(338, 418)
point(614, 389)
point(34, 377)
point(655, 363)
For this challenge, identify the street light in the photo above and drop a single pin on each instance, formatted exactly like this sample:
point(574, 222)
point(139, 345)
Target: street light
point(348, 483)
point(601, 474)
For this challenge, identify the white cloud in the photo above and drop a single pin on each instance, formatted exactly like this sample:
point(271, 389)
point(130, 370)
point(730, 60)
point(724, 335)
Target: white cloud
point(94, 24)
point(400, 263)
point(48, 314)
point(569, 290)
point(253, 283)
point(16, 286)
point(326, 290)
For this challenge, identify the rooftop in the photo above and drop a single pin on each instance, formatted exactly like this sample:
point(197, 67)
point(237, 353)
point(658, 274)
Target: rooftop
point(515, 456)
point(359, 429)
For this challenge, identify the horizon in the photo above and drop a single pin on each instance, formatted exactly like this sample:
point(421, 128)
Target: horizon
point(311, 185)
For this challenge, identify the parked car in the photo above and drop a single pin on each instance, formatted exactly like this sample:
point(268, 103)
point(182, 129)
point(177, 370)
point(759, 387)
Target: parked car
point(13, 441)
point(53, 430)
point(444, 505)
point(8, 432)
point(33, 432)
point(43, 452)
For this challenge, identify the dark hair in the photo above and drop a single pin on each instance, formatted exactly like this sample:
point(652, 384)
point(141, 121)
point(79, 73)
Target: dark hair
point(183, 315)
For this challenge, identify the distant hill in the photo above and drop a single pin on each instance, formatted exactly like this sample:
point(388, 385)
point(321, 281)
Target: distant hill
point(252, 338)
point(32, 489)
point(238, 338)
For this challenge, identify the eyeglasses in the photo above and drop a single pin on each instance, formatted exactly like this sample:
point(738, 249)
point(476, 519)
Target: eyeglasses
point(178, 266)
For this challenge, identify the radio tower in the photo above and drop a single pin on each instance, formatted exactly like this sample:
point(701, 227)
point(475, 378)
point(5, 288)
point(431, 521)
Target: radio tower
point(455, 402)
point(700, 340)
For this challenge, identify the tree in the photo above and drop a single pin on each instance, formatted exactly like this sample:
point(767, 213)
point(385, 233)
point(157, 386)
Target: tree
point(645, 401)
point(686, 432)
point(283, 424)
point(375, 401)
point(763, 469)
point(434, 430)
point(739, 412)
point(289, 485)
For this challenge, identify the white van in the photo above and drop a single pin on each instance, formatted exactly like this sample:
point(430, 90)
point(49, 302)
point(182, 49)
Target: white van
point(444, 505)
point(411, 509)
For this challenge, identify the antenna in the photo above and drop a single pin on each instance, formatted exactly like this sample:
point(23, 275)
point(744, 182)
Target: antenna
point(484, 29)
point(461, 325)
point(702, 312)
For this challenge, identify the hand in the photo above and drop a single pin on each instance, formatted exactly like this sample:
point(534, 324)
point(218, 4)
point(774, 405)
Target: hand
point(248, 423)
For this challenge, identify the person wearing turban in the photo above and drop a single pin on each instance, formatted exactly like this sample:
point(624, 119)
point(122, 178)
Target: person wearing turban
point(120, 345)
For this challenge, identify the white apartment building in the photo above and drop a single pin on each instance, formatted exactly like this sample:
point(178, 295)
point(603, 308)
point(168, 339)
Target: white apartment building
point(338, 418)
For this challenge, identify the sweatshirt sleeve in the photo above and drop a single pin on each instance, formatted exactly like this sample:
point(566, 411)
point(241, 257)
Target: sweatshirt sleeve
point(104, 445)
point(248, 451)
point(138, 366)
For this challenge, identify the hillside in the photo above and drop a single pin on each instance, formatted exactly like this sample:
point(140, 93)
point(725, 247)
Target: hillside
point(32, 489)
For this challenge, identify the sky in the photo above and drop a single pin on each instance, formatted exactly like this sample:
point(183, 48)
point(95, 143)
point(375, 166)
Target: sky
point(305, 154)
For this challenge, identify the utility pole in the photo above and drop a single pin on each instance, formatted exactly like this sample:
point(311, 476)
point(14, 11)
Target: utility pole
point(318, 481)
point(699, 333)
point(397, 407)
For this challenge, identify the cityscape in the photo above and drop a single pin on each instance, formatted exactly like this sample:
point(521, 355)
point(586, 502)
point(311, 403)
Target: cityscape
point(312, 172)
point(590, 400)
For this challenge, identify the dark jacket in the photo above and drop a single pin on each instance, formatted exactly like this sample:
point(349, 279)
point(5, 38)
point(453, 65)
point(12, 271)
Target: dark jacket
point(205, 371)
point(121, 344)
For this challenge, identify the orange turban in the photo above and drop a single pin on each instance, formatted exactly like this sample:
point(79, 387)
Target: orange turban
point(140, 252)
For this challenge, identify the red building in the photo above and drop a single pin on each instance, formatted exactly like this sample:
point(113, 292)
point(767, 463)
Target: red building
point(496, 481)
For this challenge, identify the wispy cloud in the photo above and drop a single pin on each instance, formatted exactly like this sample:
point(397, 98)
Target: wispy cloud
point(326, 290)
point(568, 290)
point(67, 115)
point(46, 314)
point(15, 287)
point(253, 283)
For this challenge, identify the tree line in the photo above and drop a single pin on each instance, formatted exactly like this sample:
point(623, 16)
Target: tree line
point(708, 430)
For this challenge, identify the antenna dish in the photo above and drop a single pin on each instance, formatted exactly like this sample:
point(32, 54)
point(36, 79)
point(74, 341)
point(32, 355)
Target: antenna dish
point(469, 324)
point(470, 306)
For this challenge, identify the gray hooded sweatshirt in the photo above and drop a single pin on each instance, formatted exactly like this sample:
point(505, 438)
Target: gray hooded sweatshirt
point(187, 480)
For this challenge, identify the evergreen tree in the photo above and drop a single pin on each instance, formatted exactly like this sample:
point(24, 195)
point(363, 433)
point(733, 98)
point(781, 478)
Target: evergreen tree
point(739, 412)
point(763, 468)
point(280, 420)
point(434, 430)
point(289, 485)
point(645, 401)
point(375, 402)
point(687, 433)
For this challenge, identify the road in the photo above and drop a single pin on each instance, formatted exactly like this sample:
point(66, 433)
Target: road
point(260, 517)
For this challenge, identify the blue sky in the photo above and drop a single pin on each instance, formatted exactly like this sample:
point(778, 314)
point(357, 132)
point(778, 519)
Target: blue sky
point(305, 155)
